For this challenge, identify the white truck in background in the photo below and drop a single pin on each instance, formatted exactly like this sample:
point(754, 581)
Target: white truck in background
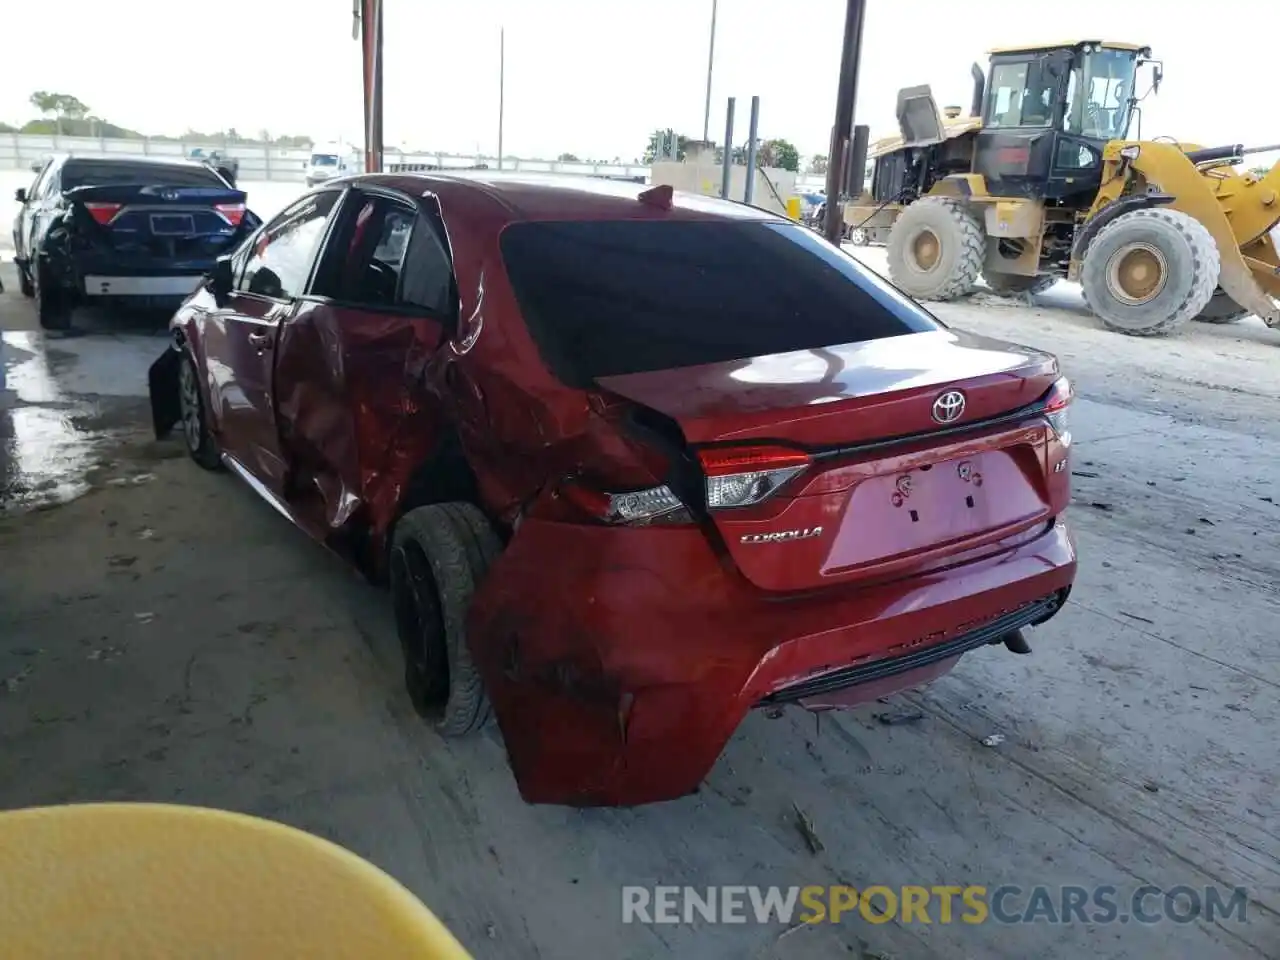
point(329, 160)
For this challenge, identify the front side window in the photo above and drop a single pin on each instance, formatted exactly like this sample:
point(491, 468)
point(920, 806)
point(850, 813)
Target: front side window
point(602, 298)
point(1100, 110)
point(40, 180)
point(284, 250)
point(391, 257)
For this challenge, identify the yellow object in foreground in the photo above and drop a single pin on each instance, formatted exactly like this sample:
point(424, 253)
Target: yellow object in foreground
point(141, 881)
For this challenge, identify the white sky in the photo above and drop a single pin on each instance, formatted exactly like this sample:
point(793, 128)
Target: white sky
point(594, 77)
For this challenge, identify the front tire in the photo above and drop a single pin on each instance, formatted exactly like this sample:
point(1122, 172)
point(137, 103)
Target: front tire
point(439, 555)
point(1150, 271)
point(196, 436)
point(936, 249)
point(1221, 309)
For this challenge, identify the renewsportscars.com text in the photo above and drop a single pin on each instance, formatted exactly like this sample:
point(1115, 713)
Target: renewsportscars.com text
point(942, 904)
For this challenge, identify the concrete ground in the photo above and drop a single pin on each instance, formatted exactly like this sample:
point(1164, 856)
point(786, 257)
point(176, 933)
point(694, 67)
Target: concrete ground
point(165, 636)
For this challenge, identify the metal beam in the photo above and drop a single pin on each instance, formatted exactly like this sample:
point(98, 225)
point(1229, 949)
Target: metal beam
point(370, 28)
point(726, 159)
point(846, 95)
point(711, 60)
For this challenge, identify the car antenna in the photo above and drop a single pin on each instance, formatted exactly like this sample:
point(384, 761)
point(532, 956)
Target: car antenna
point(660, 196)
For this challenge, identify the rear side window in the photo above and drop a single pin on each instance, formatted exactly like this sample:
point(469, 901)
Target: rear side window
point(97, 173)
point(612, 297)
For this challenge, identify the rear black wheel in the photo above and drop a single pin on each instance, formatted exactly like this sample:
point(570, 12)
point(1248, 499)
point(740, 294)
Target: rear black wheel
point(439, 554)
point(1013, 285)
point(52, 306)
point(25, 285)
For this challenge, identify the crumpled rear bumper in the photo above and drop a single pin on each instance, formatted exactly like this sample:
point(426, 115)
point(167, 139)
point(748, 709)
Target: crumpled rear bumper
point(620, 662)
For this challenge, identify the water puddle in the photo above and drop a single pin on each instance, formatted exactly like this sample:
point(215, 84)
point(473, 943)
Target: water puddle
point(50, 439)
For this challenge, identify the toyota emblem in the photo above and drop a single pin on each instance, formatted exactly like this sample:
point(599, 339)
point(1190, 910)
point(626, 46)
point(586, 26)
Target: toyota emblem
point(949, 407)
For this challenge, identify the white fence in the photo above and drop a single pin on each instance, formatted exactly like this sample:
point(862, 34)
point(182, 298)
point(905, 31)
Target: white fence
point(262, 161)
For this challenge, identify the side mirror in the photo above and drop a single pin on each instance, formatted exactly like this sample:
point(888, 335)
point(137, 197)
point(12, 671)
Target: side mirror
point(1156, 78)
point(37, 166)
point(220, 279)
point(20, 195)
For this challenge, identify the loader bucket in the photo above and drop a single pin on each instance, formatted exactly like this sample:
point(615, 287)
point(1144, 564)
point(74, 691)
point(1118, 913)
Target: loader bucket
point(919, 118)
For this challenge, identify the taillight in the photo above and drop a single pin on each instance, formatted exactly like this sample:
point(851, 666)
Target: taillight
point(634, 507)
point(233, 213)
point(745, 476)
point(103, 213)
point(1057, 406)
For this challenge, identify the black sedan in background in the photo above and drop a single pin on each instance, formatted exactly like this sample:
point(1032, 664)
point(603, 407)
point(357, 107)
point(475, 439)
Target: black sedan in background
point(136, 231)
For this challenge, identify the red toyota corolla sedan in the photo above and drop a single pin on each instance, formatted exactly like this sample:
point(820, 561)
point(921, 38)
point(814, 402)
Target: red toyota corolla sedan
point(632, 463)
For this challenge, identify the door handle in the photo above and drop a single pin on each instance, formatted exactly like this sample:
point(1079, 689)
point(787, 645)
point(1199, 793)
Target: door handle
point(260, 340)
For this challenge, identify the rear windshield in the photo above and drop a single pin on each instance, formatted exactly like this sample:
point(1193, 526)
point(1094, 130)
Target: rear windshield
point(610, 297)
point(323, 160)
point(97, 173)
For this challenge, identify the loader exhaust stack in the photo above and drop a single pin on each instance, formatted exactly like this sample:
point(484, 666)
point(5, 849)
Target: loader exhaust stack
point(979, 90)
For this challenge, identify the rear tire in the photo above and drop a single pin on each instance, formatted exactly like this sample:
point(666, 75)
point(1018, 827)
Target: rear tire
point(196, 436)
point(1150, 271)
point(1014, 285)
point(25, 286)
point(936, 249)
point(52, 308)
point(439, 555)
point(1222, 309)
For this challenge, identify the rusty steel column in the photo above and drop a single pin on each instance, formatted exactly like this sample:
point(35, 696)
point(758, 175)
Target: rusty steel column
point(846, 95)
point(371, 50)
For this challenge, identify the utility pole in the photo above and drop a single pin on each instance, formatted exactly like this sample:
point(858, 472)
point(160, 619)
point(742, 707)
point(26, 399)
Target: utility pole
point(502, 86)
point(846, 95)
point(711, 59)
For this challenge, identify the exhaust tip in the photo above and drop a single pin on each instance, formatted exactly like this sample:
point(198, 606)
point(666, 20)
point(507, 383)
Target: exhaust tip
point(1017, 642)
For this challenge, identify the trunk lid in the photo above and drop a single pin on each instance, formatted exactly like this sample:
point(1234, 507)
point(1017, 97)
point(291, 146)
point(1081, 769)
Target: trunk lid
point(841, 395)
point(888, 487)
point(161, 220)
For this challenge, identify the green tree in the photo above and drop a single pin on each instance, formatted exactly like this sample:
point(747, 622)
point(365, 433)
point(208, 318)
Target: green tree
point(663, 137)
point(63, 106)
point(567, 158)
point(818, 163)
point(780, 153)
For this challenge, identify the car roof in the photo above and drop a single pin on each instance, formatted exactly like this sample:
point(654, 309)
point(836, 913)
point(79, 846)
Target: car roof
point(532, 196)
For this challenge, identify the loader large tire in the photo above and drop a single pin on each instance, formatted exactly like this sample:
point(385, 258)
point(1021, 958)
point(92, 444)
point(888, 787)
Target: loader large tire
point(1222, 309)
point(439, 555)
point(1013, 285)
point(936, 249)
point(1150, 271)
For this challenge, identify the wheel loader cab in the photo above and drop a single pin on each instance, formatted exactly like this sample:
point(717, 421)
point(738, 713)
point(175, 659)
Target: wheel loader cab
point(1047, 115)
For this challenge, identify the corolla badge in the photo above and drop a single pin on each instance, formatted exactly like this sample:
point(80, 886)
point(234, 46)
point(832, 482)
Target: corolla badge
point(783, 536)
point(949, 407)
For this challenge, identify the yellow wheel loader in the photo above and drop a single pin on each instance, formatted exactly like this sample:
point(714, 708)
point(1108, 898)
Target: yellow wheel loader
point(1039, 182)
